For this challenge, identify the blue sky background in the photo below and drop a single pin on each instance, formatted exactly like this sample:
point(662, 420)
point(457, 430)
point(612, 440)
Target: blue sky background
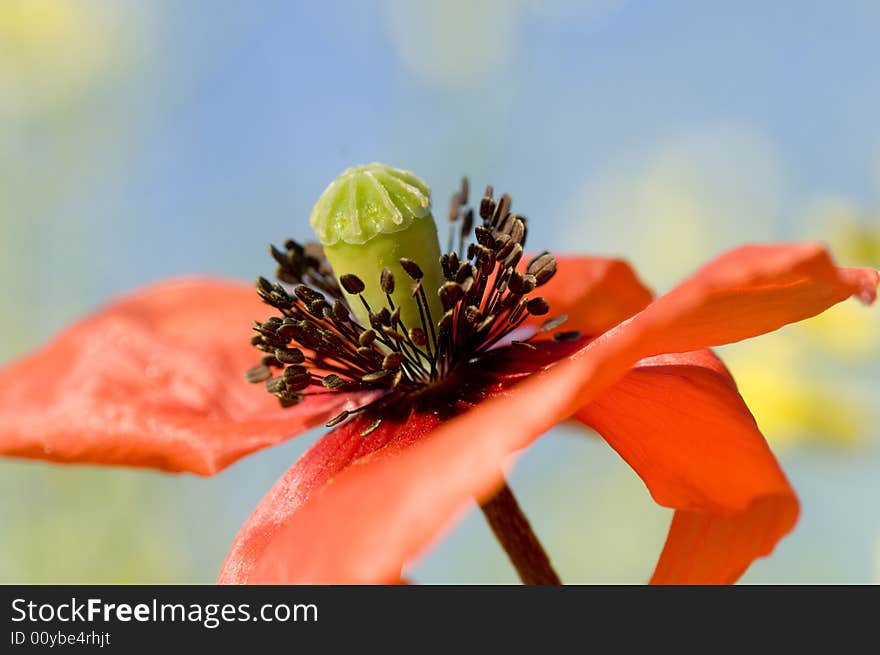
point(146, 140)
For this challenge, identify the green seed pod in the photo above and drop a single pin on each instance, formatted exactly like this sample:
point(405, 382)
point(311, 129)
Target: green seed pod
point(369, 218)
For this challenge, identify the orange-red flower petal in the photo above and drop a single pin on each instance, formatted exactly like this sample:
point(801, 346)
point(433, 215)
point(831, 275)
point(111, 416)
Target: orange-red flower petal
point(679, 421)
point(748, 291)
point(706, 548)
point(154, 379)
point(612, 292)
point(353, 442)
point(596, 293)
point(378, 516)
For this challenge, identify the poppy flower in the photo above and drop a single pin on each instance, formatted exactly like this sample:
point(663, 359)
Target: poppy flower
point(434, 373)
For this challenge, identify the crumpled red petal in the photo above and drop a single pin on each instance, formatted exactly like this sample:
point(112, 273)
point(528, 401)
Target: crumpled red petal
point(376, 517)
point(154, 379)
point(706, 548)
point(345, 446)
point(679, 421)
point(596, 293)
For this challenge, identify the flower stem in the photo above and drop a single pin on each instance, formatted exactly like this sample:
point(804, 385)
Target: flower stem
point(512, 529)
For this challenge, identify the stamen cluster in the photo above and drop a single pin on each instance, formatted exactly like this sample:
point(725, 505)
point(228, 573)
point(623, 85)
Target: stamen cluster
point(316, 346)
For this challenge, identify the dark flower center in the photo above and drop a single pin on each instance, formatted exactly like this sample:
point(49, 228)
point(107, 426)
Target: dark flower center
point(316, 346)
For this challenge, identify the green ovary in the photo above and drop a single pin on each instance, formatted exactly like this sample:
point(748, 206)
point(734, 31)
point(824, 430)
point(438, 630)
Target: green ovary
point(417, 242)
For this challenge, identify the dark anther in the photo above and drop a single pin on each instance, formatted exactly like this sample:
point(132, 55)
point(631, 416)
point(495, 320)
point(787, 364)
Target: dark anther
point(483, 254)
point(543, 267)
point(373, 358)
point(454, 203)
point(552, 323)
point(336, 420)
point(522, 344)
point(308, 337)
point(279, 298)
point(487, 205)
point(289, 355)
point(487, 264)
point(307, 294)
point(449, 263)
point(450, 293)
point(375, 376)
point(279, 256)
point(265, 329)
point(333, 381)
point(258, 374)
point(367, 337)
point(287, 330)
point(467, 223)
point(392, 361)
point(418, 337)
point(515, 255)
point(332, 339)
point(464, 191)
point(484, 237)
point(264, 285)
point(537, 306)
point(370, 428)
point(448, 272)
point(352, 284)
point(296, 382)
point(387, 281)
point(473, 314)
point(318, 307)
point(465, 271)
point(506, 248)
point(295, 371)
point(411, 268)
point(289, 400)
point(571, 335)
point(501, 210)
point(520, 284)
point(398, 377)
point(340, 311)
point(517, 230)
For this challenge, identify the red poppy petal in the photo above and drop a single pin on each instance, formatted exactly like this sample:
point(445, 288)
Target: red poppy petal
point(595, 293)
point(155, 379)
point(749, 291)
point(376, 517)
point(707, 548)
point(743, 293)
point(330, 455)
point(679, 421)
